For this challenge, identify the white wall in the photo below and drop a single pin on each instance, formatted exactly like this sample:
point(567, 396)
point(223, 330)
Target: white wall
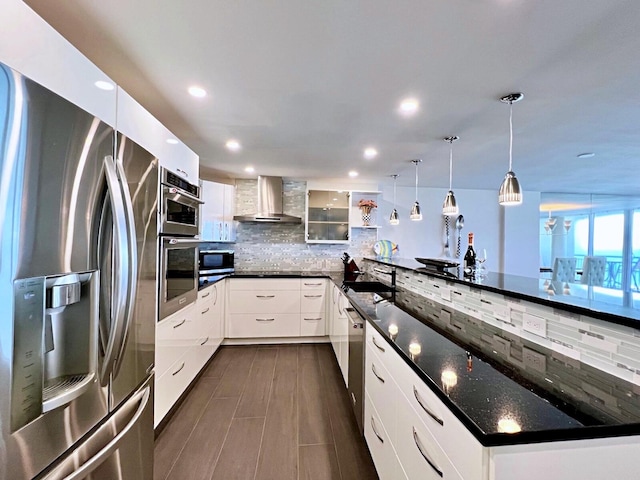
point(510, 236)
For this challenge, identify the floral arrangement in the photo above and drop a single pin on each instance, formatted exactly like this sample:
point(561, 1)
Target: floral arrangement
point(367, 204)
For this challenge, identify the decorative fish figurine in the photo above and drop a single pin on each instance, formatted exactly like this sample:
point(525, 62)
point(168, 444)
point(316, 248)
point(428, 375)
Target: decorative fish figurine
point(385, 248)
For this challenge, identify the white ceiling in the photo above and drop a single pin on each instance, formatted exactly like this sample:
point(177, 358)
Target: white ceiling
point(306, 85)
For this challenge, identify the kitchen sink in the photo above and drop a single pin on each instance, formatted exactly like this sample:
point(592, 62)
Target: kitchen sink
point(374, 287)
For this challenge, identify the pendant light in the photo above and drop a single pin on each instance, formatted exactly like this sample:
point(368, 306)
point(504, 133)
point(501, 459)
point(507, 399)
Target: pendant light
point(510, 192)
point(416, 216)
point(450, 206)
point(394, 219)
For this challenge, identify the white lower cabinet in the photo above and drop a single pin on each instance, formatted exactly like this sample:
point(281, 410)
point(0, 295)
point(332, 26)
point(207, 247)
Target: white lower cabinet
point(313, 300)
point(252, 325)
point(380, 446)
point(185, 341)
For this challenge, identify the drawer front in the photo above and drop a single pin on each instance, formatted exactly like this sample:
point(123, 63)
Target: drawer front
point(379, 443)
point(264, 301)
point(172, 383)
point(253, 284)
point(382, 389)
point(209, 294)
point(312, 301)
point(264, 325)
point(453, 437)
point(313, 284)
point(420, 455)
point(312, 324)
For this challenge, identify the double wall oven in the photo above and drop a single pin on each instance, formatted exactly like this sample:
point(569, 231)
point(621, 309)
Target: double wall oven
point(179, 217)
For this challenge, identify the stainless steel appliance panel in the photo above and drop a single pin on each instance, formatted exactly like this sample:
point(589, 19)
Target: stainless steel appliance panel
point(179, 205)
point(213, 262)
point(117, 449)
point(356, 365)
point(178, 274)
point(135, 361)
point(67, 235)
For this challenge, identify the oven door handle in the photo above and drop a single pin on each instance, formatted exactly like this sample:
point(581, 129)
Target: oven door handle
point(177, 191)
point(184, 241)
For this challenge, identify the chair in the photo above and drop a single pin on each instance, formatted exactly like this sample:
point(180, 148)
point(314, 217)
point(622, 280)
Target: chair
point(564, 269)
point(593, 270)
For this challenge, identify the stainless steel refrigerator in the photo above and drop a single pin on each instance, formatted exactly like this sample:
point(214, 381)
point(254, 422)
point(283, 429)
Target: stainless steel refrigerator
point(78, 233)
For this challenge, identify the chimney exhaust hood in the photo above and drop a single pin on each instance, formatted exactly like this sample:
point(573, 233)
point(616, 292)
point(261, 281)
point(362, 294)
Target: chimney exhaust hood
point(269, 204)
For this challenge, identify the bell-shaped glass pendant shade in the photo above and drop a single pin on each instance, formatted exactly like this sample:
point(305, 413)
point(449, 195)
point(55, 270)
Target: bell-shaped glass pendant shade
point(416, 215)
point(510, 193)
point(393, 219)
point(450, 206)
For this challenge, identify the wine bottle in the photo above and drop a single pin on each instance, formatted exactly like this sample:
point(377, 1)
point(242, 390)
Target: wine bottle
point(470, 257)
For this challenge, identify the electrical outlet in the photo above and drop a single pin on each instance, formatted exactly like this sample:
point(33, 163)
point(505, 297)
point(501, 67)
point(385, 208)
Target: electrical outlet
point(445, 316)
point(534, 360)
point(445, 294)
point(534, 324)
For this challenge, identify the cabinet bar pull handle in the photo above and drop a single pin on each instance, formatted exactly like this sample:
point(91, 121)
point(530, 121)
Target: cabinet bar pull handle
point(205, 295)
point(265, 296)
point(184, 320)
point(312, 296)
point(265, 319)
point(373, 369)
point(313, 284)
point(205, 310)
point(376, 344)
point(379, 270)
point(182, 172)
point(375, 430)
point(205, 341)
point(178, 370)
point(424, 455)
point(317, 319)
point(429, 412)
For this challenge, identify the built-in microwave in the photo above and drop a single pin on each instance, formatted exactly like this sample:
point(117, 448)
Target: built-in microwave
point(178, 274)
point(179, 205)
point(215, 262)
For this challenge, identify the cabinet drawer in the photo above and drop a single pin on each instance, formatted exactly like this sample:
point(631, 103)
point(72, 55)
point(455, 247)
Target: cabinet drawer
point(313, 284)
point(381, 388)
point(456, 441)
point(174, 336)
point(420, 455)
point(264, 301)
point(264, 325)
point(379, 442)
point(253, 284)
point(312, 324)
point(172, 383)
point(312, 301)
point(208, 294)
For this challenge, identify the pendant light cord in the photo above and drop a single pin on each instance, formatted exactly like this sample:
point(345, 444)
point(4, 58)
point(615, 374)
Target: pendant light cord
point(395, 177)
point(450, 164)
point(510, 135)
point(416, 181)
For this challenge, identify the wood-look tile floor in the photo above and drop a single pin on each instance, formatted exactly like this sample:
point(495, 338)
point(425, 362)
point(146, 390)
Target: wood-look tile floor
point(265, 413)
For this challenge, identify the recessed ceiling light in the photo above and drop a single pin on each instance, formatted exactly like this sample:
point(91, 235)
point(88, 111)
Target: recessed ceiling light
point(409, 106)
point(172, 141)
point(586, 155)
point(249, 169)
point(233, 145)
point(197, 92)
point(370, 153)
point(103, 85)
point(353, 173)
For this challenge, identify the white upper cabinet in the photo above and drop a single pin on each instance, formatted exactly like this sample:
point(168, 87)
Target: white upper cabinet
point(217, 212)
point(32, 47)
point(139, 125)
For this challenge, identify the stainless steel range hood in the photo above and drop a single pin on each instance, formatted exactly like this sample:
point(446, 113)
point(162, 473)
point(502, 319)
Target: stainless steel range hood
point(269, 203)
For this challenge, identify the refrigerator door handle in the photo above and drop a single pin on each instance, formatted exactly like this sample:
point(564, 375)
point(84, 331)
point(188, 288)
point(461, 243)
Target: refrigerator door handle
point(99, 458)
point(121, 286)
point(132, 268)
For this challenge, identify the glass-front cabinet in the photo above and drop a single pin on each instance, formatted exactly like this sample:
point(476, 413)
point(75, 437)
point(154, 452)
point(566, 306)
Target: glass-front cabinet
point(327, 216)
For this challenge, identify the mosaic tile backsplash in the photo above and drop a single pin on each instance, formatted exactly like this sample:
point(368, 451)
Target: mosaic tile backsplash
point(606, 346)
point(282, 247)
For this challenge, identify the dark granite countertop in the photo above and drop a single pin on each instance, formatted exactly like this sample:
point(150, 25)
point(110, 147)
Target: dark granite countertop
point(603, 303)
point(487, 391)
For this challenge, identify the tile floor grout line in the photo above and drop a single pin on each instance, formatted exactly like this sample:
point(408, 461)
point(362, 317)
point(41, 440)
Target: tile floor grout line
point(193, 429)
point(333, 435)
point(264, 424)
point(226, 435)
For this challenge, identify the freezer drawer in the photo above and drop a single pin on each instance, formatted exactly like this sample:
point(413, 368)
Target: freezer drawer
point(122, 447)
